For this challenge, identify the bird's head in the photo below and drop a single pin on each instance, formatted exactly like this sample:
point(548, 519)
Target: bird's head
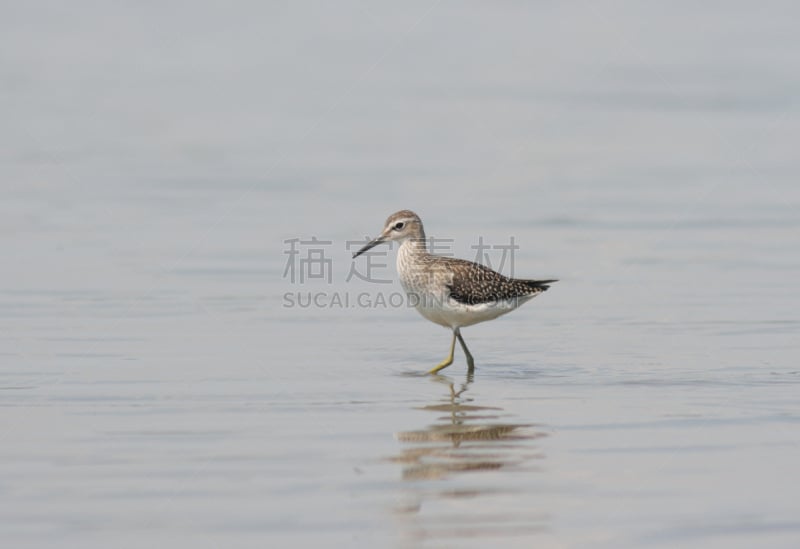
point(400, 226)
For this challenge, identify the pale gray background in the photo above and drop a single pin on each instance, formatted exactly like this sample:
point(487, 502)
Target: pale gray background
point(156, 155)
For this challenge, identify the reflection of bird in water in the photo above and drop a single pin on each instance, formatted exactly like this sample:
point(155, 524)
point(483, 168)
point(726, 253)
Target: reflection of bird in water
point(468, 438)
point(451, 292)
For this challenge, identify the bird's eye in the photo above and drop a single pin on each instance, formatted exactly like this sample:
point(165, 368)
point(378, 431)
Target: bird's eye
point(398, 226)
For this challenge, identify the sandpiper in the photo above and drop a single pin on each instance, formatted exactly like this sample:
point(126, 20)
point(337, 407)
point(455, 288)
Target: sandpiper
point(451, 292)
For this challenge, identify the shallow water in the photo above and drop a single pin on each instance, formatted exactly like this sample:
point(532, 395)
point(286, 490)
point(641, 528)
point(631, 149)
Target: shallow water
point(157, 389)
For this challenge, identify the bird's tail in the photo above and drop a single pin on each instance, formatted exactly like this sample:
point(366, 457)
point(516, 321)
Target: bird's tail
point(539, 284)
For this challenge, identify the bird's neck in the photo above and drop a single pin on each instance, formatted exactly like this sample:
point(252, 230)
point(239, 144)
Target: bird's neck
point(414, 246)
point(412, 252)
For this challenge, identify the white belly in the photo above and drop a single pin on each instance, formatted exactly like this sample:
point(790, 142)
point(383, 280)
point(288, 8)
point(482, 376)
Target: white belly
point(443, 310)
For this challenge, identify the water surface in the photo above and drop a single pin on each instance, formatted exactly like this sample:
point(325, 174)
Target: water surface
point(156, 389)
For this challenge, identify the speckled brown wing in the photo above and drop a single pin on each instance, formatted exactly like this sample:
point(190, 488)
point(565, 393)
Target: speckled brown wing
point(473, 284)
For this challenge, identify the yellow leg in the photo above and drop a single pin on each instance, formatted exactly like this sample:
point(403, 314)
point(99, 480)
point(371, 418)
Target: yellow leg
point(449, 360)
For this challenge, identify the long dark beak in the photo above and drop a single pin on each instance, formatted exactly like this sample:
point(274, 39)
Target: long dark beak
point(374, 242)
